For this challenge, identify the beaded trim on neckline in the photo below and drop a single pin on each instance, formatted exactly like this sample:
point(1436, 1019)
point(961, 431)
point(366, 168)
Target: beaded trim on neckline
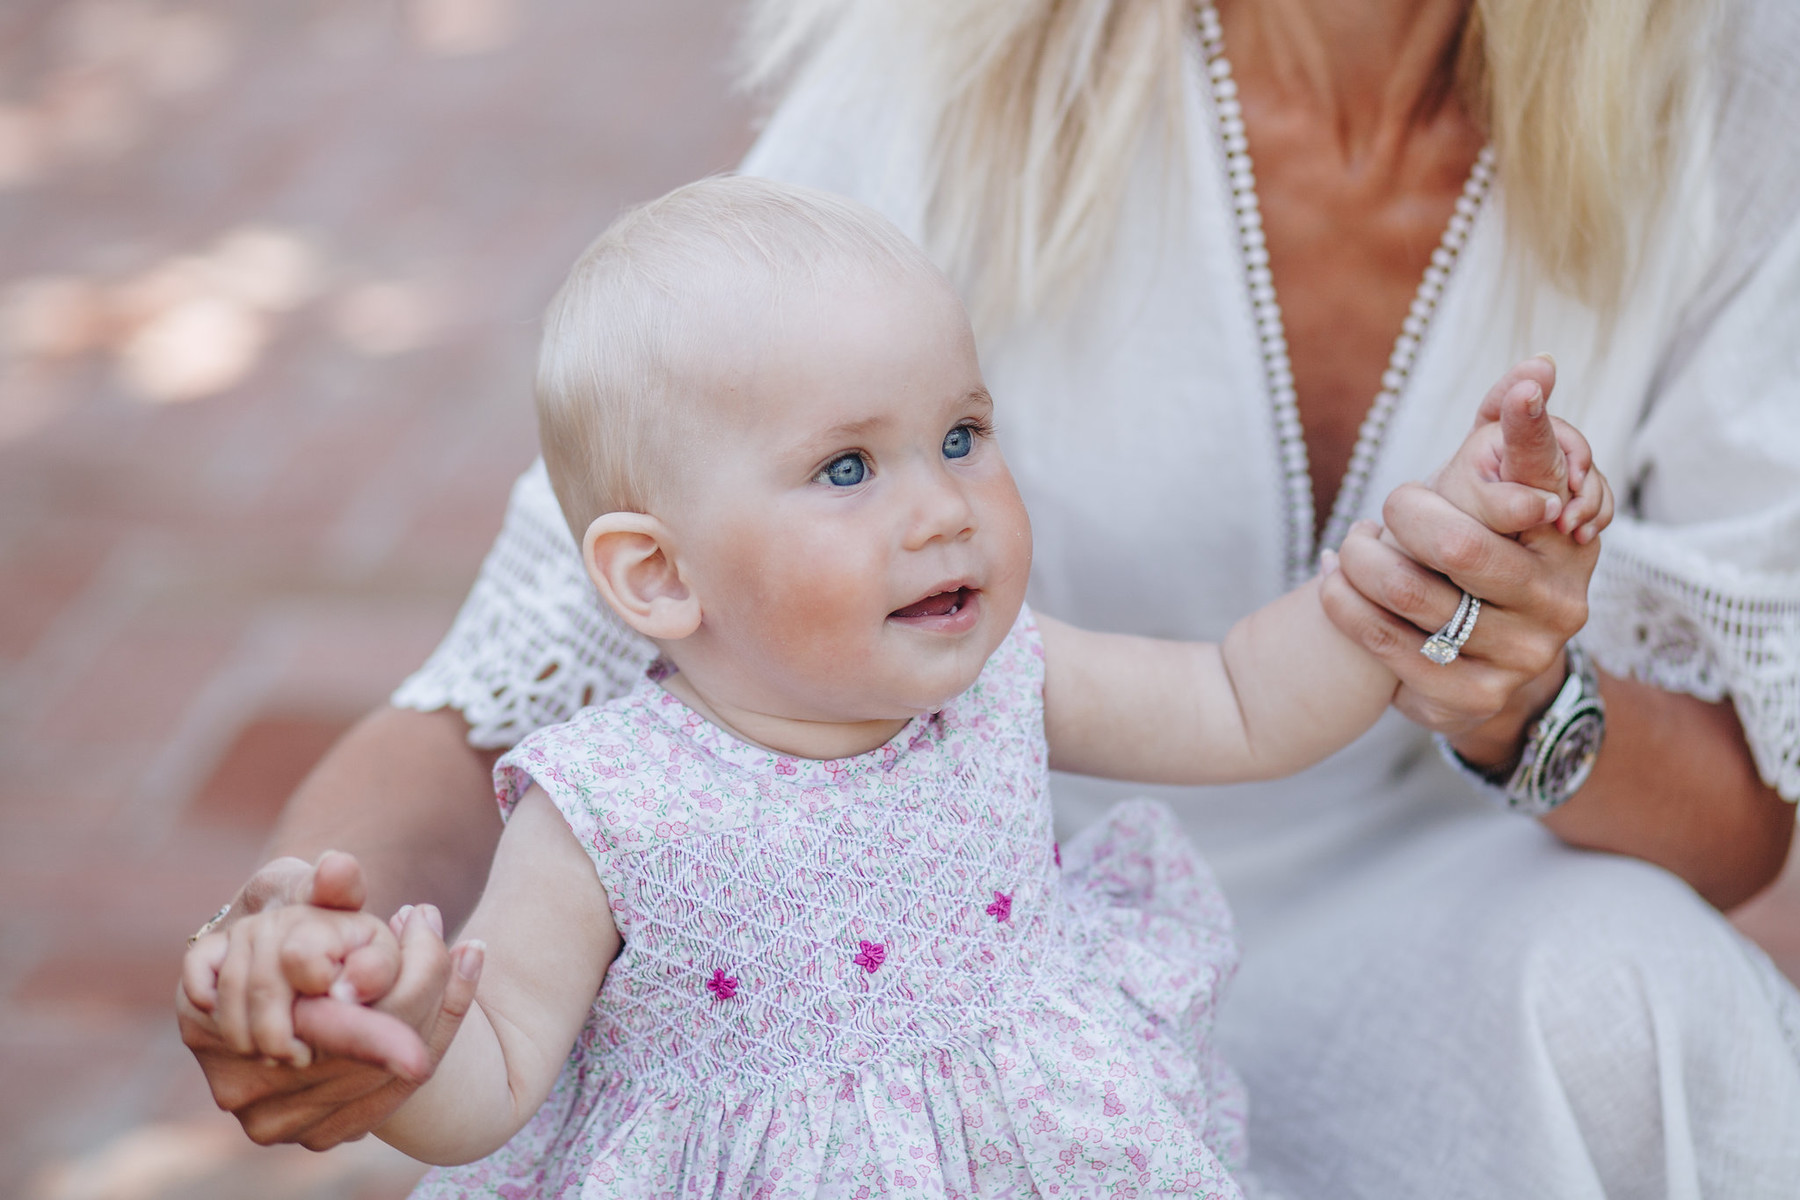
point(1302, 552)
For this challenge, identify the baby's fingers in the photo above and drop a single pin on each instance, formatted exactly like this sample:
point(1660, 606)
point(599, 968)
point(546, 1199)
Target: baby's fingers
point(1578, 455)
point(237, 981)
point(370, 970)
point(270, 1000)
point(1601, 495)
point(200, 970)
point(319, 942)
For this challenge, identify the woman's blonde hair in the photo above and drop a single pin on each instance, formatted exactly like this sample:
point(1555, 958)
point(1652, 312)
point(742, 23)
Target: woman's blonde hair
point(1039, 108)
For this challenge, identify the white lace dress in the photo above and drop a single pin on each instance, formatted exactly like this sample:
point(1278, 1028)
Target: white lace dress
point(876, 976)
point(1436, 999)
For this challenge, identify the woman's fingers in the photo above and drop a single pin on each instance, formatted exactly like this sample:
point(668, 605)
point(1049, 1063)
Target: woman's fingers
point(337, 882)
point(1505, 508)
point(1461, 696)
point(1442, 537)
point(365, 1035)
point(287, 1105)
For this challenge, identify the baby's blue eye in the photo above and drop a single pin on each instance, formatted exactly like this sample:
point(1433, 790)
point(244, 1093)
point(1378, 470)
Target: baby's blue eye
point(958, 442)
point(846, 470)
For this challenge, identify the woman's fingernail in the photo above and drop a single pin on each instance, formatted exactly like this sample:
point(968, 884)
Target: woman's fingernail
point(300, 1053)
point(1546, 356)
point(404, 915)
point(433, 918)
point(343, 989)
point(1328, 561)
point(1552, 506)
point(1534, 407)
point(468, 963)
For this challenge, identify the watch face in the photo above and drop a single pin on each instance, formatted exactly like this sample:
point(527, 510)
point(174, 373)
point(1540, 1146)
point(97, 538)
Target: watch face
point(1569, 758)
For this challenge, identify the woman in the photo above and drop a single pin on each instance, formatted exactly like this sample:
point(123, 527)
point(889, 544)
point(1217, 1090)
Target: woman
point(1439, 996)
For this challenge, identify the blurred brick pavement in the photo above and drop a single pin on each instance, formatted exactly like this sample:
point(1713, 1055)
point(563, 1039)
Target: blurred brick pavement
point(269, 276)
point(269, 282)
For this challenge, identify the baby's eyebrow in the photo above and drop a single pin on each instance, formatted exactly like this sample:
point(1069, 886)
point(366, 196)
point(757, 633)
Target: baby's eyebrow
point(850, 431)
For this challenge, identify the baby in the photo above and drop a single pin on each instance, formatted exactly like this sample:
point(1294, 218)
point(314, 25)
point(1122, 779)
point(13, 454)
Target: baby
point(789, 918)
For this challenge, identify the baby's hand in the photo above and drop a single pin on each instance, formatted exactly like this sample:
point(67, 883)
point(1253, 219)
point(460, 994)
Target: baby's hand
point(1520, 468)
point(249, 975)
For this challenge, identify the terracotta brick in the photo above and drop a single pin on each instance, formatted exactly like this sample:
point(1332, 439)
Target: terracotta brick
point(261, 768)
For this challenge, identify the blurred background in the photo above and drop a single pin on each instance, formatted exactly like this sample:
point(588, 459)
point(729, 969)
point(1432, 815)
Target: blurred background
point(269, 282)
point(270, 276)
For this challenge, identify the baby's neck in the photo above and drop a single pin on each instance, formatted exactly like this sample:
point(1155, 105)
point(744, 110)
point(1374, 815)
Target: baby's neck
point(787, 735)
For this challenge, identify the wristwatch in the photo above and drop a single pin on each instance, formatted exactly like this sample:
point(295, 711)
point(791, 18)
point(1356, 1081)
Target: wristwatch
point(1559, 751)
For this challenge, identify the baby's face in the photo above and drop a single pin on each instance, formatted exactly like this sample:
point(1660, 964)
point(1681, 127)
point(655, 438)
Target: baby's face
point(844, 515)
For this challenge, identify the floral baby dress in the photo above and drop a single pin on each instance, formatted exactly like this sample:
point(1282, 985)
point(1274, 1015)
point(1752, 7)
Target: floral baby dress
point(876, 976)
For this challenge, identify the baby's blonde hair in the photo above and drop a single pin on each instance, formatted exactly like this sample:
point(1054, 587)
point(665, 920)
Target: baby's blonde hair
point(628, 339)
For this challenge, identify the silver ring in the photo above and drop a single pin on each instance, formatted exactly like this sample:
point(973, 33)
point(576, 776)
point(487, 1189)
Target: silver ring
point(1443, 646)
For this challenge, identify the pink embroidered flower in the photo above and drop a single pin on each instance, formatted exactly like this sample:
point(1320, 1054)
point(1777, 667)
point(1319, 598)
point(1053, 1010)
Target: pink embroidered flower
point(1112, 1106)
point(721, 985)
point(1056, 852)
point(872, 956)
point(786, 766)
point(1001, 908)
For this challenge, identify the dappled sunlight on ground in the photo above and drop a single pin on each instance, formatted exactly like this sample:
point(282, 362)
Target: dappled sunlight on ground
point(269, 282)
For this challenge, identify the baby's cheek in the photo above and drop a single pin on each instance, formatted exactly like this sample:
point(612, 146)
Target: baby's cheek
point(802, 591)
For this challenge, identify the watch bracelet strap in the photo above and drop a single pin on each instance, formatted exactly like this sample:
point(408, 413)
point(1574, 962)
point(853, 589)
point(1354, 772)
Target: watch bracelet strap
point(1504, 785)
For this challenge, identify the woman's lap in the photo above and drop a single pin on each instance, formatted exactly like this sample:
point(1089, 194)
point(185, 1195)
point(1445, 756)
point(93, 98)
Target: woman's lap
point(1483, 1012)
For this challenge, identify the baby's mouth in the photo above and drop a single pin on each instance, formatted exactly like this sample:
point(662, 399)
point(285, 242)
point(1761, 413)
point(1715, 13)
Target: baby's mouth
point(938, 604)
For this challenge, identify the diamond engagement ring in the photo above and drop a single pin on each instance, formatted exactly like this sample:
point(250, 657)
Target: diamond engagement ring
point(1443, 646)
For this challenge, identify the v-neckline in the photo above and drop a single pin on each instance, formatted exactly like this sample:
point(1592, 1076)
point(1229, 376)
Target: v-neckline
point(1303, 540)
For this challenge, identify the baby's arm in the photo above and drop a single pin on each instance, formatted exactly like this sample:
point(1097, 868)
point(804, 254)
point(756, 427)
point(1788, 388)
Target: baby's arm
point(1283, 690)
point(548, 926)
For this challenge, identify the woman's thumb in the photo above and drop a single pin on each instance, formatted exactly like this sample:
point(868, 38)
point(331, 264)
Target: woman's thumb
point(337, 882)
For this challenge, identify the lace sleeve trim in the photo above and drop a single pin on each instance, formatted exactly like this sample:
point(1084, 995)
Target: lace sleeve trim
point(1666, 615)
point(532, 644)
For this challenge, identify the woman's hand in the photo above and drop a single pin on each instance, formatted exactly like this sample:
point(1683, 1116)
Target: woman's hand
point(365, 1060)
point(1513, 520)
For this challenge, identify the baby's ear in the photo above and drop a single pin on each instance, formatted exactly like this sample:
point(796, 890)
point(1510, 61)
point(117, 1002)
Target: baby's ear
point(630, 557)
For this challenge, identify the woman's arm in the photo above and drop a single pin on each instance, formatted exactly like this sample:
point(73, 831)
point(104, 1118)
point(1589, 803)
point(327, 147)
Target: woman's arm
point(1675, 785)
point(404, 792)
point(549, 924)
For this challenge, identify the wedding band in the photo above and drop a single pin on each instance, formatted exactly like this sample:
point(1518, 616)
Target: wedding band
point(1443, 646)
